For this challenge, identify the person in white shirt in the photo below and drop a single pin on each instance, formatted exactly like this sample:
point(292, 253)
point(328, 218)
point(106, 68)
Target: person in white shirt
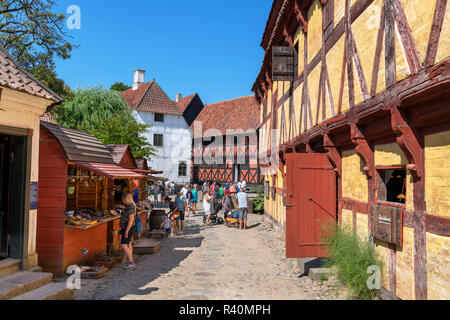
point(242, 202)
point(207, 199)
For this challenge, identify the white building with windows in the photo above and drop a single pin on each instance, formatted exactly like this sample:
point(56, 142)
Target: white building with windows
point(169, 133)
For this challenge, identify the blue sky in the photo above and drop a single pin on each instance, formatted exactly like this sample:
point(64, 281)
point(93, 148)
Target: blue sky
point(210, 47)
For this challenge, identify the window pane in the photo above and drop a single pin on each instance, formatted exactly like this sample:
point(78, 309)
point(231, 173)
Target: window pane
point(158, 140)
point(159, 117)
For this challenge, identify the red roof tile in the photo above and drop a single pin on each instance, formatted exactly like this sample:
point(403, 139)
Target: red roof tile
point(184, 102)
point(240, 113)
point(150, 97)
point(12, 75)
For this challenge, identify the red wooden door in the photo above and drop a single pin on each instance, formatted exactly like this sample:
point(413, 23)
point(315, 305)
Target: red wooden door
point(310, 204)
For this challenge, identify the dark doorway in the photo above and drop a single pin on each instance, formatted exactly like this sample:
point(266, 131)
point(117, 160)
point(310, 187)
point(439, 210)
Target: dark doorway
point(15, 168)
point(6, 157)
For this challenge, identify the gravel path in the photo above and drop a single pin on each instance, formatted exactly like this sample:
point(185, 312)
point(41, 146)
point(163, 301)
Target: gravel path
point(216, 263)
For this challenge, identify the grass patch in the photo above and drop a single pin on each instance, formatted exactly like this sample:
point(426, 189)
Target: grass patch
point(351, 256)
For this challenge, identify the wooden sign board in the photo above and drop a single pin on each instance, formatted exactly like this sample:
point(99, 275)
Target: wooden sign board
point(283, 63)
point(387, 224)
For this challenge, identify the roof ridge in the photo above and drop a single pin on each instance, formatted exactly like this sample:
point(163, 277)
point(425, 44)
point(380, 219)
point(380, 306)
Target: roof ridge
point(229, 100)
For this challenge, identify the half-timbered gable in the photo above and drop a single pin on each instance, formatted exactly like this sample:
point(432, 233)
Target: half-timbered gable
point(226, 142)
point(361, 89)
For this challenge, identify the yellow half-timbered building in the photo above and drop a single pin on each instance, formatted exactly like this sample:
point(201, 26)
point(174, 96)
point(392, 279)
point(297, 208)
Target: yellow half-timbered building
point(355, 116)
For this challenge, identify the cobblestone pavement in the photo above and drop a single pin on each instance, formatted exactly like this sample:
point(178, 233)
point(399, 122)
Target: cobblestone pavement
point(216, 263)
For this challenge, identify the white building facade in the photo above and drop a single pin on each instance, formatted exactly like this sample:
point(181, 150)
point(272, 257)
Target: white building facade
point(169, 132)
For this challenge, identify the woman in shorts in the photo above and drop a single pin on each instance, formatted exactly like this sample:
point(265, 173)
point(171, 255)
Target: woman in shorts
point(194, 199)
point(128, 227)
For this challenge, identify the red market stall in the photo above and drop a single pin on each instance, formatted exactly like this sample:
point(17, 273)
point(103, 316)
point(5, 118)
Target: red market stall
point(74, 197)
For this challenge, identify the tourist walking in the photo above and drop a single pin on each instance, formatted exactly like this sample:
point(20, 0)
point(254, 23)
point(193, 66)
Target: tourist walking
point(189, 198)
point(227, 203)
point(128, 227)
point(242, 202)
point(174, 215)
point(207, 199)
point(216, 196)
point(205, 187)
point(194, 198)
point(180, 201)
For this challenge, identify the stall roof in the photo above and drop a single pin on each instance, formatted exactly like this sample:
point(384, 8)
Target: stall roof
point(79, 146)
point(122, 155)
point(108, 170)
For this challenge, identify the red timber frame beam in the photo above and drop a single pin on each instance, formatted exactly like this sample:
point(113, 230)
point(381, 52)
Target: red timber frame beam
point(333, 154)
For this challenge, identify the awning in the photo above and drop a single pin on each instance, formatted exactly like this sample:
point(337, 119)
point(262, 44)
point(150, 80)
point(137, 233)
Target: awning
point(147, 171)
point(108, 170)
point(157, 178)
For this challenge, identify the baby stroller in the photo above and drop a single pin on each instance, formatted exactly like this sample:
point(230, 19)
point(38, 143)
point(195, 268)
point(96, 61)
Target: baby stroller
point(215, 219)
point(232, 219)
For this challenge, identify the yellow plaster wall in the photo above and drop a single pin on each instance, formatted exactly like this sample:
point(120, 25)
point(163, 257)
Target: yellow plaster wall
point(437, 170)
point(339, 11)
point(402, 67)
point(382, 250)
point(354, 181)
point(300, 38)
point(334, 64)
point(444, 40)
point(409, 192)
point(362, 226)
point(438, 267)
point(420, 18)
point(347, 218)
point(313, 85)
point(314, 30)
point(389, 155)
point(298, 106)
point(365, 32)
point(405, 286)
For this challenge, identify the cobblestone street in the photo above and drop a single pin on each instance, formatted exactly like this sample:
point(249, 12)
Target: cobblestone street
point(208, 263)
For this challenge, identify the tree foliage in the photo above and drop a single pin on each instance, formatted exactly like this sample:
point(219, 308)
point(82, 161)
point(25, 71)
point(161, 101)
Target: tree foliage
point(104, 114)
point(34, 35)
point(120, 87)
point(120, 130)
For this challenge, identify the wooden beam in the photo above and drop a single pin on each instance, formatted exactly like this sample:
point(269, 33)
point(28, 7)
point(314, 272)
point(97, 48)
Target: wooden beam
point(389, 44)
point(300, 16)
point(333, 154)
point(363, 149)
point(438, 21)
point(412, 55)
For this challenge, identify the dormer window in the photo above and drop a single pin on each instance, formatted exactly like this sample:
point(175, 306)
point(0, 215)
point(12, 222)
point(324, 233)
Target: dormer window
point(159, 117)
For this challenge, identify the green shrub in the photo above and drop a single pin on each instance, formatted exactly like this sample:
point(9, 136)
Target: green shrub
point(352, 257)
point(258, 204)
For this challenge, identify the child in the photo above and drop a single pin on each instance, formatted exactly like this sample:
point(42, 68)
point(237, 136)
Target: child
point(166, 225)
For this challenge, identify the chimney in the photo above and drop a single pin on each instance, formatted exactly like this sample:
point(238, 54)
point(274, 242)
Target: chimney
point(139, 78)
point(179, 97)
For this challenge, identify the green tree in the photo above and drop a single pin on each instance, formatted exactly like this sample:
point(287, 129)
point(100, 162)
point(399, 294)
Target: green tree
point(104, 114)
point(130, 133)
point(120, 86)
point(34, 35)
